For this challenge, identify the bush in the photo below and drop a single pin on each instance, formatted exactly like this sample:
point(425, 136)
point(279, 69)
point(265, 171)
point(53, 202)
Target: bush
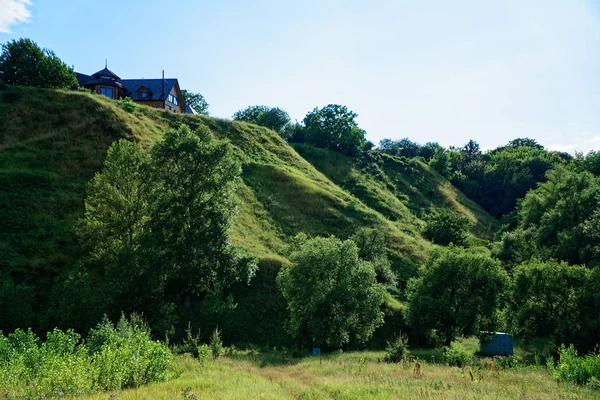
point(507, 362)
point(64, 366)
point(579, 370)
point(457, 355)
point(444, 226)
point(397, 350)
point(204, 352)
point(128, 105)
point(126, 355)
point(216, 343)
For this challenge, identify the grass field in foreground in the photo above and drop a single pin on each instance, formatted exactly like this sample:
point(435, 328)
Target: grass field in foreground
point(357, 375)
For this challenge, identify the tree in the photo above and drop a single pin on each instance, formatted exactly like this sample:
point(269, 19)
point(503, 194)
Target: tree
point(334, 127)
point(545, 300)
point(456, 293)
point(24, 63)
point(560, 212)
point(371, 247)
point(403, 147)
point(526, 142)
point(271, 117)
point(196, 101)
point(332, 295)
point(443, 226)
point(156, 225)
point(440, 161)
point(192, 209)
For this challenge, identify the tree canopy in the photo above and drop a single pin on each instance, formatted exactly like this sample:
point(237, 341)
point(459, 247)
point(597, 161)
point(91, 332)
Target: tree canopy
point(24, 63)
point(196, 101)
point(271, 117)
point(156, 225)
point(334, 127)
point(456, 293)
point(333, 296)
point(443, 226)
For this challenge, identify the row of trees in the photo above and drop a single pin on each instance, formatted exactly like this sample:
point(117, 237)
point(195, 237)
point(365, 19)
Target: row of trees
point(332, 127)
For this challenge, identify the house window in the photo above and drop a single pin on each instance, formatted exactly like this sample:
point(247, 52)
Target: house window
point(108, 92)
point(173, 100)
point(144, 95)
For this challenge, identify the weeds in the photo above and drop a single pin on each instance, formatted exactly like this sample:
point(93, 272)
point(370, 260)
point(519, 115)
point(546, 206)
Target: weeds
point(113, 357)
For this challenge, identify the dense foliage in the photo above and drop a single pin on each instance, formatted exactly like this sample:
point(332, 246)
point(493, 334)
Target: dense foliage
point(24, 63)
point(456, 293)
point(557, 220)
point(443, 226)
point(156, 228)
point(271, 117)
point(334, 127)
point(333, 296)
point(112, 357)
point(196, 101)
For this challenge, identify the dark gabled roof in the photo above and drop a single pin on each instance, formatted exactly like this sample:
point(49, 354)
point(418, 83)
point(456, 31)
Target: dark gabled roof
point(83, 78)
point(189, 109)
point(154, 87)
point(106, 72)
point(86, 80)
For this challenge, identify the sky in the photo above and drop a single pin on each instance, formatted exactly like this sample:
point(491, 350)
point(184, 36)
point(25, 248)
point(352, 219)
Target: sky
point(440, 71)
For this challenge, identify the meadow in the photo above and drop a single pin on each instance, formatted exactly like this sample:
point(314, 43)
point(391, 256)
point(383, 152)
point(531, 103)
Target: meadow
point(352, 375)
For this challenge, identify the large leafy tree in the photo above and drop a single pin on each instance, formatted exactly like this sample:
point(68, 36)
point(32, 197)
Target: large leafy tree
point(333, 296)
point(334, 127)
point(456, 293)
point(545, 300)
point(24, 63)
point(156, 224)
point(271, 117)
point(558, 220)
point(196, 101)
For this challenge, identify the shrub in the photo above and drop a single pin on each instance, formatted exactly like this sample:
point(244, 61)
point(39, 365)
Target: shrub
point(128, 105)
point(579, 370)
point(397, 350)
point(126, 355)
point(216, 343)
point(457, 355)
point(507, 362)
point(63, 366)
point(204, 352)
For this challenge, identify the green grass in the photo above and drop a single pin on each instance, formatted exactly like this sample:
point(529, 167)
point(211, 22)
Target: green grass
point(401, 189)
point(52, 143)
point(359, 375)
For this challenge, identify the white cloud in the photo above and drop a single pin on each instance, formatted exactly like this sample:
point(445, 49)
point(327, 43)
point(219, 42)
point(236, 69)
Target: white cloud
point(13, 12)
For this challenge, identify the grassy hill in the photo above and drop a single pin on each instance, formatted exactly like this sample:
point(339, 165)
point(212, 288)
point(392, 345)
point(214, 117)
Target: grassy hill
point(52, 143)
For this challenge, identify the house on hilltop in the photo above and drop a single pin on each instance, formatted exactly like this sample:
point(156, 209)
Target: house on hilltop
point(158, 93)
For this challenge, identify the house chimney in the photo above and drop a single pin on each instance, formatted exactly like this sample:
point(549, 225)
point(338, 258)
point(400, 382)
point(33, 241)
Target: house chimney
point(162, 93)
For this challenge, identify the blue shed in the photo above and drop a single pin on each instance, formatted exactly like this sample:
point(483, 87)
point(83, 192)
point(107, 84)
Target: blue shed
point(497, 344)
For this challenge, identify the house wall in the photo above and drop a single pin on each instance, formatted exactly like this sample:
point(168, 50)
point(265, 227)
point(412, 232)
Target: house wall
point(172, 107)
point(153, 104)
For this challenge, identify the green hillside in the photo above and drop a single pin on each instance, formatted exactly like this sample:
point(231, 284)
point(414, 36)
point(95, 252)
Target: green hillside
point(52, 143)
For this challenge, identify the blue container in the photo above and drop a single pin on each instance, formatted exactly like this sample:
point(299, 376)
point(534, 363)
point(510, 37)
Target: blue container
point(498, 344)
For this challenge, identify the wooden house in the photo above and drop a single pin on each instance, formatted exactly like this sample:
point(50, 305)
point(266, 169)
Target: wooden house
point(158, 93)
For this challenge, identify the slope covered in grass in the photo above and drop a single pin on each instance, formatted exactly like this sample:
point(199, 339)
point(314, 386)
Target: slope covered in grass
point(52, 143)
point(401, 189)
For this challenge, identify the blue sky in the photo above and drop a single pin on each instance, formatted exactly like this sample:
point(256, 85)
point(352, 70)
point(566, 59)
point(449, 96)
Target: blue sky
point(428, 70)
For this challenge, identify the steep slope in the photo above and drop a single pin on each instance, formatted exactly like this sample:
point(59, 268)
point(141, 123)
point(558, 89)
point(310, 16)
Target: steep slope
point(52, 143)
point(401, 189)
